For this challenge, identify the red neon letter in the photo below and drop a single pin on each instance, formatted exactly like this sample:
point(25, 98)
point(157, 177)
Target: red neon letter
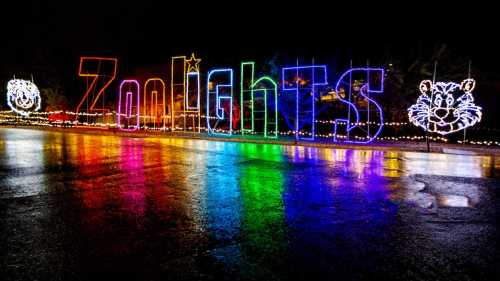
point(103, 71)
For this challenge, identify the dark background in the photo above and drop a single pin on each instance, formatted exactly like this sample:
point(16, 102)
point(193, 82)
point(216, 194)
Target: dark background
point(46, 40)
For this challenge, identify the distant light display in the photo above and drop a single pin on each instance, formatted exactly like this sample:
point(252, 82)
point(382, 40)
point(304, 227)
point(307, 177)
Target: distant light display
point(445, 107)
point(299, 97)
point(23, 96)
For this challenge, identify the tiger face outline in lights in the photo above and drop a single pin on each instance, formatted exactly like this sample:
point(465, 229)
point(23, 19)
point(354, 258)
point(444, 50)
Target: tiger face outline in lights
point(452, 107)
point(23, 96)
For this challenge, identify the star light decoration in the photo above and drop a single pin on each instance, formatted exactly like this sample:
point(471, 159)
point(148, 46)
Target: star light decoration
point(23, 96)
point(192, 90)
point(193, 64)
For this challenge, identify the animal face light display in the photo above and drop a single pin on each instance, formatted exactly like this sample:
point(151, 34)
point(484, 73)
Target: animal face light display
point(23, 96)
point(445, 107)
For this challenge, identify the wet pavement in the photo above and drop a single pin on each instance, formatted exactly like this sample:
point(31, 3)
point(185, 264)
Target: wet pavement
point(84, 207)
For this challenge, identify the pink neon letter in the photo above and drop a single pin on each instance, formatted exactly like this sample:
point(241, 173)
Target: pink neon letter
point(125, 121)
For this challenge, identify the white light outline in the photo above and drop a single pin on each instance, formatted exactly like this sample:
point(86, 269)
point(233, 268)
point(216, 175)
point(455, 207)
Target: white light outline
point(468, 113)
point(16, 86)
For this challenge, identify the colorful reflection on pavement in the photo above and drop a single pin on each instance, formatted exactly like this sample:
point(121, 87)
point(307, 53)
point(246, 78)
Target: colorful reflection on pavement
point(271, 211)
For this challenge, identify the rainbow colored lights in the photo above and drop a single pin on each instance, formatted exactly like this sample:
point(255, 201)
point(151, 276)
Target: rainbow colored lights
point(297, 96)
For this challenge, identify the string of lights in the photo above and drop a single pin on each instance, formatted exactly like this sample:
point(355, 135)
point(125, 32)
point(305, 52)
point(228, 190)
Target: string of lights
point(437, 110)
point(9, 117)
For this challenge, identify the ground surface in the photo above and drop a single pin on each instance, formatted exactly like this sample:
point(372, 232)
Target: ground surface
point(82, 207)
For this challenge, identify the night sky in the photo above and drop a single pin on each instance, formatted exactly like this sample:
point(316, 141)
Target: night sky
point(144, 32)
point(47, 39)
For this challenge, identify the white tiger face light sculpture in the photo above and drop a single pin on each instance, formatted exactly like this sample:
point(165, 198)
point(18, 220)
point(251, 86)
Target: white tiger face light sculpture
point(23, 96)
point(451, 109)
